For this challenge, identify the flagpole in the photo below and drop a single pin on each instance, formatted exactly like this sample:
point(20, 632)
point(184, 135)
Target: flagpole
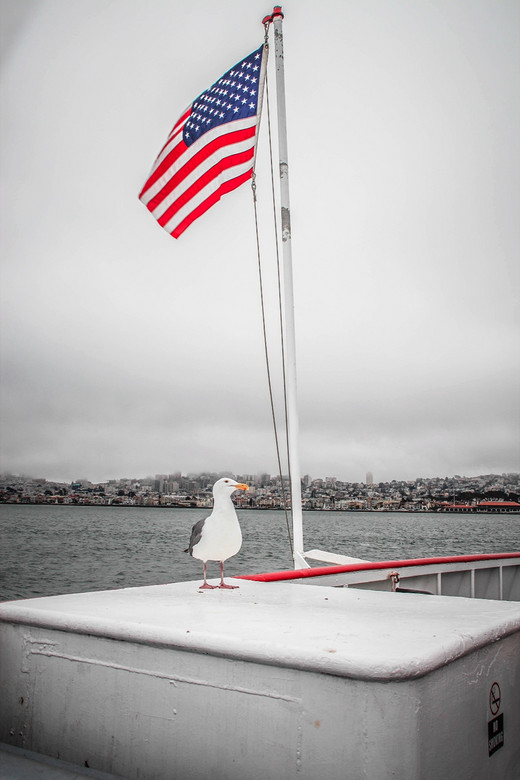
point(289, 328)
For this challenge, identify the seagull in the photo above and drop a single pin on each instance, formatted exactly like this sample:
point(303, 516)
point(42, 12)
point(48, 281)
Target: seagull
point(218, 537)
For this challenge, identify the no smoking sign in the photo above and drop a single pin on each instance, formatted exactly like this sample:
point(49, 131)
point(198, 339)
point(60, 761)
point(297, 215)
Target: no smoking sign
point(496, 725)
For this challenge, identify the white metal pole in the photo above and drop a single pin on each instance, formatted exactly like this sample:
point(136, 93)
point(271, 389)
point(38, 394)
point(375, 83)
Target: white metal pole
point(289, 329)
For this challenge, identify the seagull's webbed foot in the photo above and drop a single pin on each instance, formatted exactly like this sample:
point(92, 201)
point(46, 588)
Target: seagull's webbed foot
point(222, 583)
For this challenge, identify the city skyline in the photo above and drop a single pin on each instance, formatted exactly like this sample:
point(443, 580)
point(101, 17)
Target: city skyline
point(485, 493)
point(369, 480)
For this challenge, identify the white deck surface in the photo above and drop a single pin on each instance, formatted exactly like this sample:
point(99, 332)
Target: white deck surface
point(352, 633)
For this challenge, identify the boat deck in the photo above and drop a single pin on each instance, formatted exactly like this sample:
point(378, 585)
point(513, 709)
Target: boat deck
point(346, 632)
point(171, 681)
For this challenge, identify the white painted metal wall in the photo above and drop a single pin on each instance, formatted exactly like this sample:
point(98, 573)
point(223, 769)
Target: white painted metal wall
point(142, 710)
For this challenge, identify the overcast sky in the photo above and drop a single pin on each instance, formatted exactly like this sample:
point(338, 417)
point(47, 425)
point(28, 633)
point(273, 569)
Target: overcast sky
point(126, 352)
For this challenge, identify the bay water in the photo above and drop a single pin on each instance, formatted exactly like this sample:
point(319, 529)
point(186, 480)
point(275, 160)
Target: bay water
point(52, 549)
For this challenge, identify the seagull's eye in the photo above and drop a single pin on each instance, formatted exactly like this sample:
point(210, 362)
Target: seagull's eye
point(227, 480)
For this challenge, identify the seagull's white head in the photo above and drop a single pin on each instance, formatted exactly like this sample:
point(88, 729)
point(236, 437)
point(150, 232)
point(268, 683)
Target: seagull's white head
point(226, 486)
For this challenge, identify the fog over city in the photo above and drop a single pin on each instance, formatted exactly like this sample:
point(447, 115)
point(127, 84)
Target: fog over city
point(126, 352)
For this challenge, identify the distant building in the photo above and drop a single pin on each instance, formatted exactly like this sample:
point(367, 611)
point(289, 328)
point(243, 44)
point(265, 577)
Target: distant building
point(369, 478)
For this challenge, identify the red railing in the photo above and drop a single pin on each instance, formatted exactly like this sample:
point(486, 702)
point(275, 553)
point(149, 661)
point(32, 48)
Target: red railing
point(320, 571)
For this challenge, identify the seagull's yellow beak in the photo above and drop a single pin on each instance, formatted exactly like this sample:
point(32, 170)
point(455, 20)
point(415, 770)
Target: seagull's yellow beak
point(241, 486)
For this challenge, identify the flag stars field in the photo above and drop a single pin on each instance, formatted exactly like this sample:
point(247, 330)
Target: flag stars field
point(232, 86)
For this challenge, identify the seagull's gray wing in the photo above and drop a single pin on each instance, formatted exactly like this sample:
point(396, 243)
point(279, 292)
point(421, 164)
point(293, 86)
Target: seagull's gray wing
point(196, 534)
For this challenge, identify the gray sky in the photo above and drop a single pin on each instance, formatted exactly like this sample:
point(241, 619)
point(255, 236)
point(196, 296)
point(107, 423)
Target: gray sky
point(126, 352)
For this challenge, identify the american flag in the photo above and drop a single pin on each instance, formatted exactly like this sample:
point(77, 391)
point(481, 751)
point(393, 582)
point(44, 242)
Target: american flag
point(210, 150)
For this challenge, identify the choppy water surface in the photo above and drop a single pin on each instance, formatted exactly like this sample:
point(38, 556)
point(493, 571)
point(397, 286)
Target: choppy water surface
point(45, 550)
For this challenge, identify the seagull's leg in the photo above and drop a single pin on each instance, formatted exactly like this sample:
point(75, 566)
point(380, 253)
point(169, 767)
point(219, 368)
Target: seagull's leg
point(222, 583)
point(206, 584)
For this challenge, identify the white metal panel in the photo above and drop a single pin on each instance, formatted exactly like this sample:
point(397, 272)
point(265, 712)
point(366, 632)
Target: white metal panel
point(511, 583)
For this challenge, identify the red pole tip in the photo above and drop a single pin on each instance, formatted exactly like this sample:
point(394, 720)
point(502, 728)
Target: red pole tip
point(277, 11)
